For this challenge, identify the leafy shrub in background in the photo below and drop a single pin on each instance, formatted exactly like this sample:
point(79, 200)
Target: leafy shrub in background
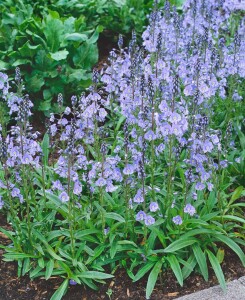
point(55, 42)
point(136, 171)
point(55, 54)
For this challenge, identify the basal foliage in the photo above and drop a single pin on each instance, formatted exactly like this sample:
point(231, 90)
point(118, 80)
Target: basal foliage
point(143, 170)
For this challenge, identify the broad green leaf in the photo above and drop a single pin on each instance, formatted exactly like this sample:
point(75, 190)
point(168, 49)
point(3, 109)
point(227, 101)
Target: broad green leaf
point(152, 279)
point(35, 82)
point(53, 30)
point(175, 266)
point(86, 56)
point(60, 291)
point(201, 260)
point(179, 244)
point(77, 37)
point(28, 50)
point(21, 61)
point(59, 55)
point(217, 269)
point(3, 65)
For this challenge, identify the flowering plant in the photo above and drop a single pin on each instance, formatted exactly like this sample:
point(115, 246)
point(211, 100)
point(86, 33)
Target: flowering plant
point(135, 171)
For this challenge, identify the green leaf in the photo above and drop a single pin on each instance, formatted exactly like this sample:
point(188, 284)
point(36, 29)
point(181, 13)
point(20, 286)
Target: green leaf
point(35, 82)
point(217, 269)
point(59, 55)
point(47, 246)
point(35, 272)
point(230, 217)
point(152, 279)
point(146, 268)
point(26, 266)
point(82, 233)
point(28, 50)
point(201, 260)
point(175, 266)
point(236, 194)
point(95, 275)
point(57, 203)
point(49, 269)
point(45, 148)
point(114, 216)
point(233, 245)
point(45, 105)
point(220, 255)
point(14, 256)
point(189, 267)
point(3, 65)
point(60, 291)
point(179, 244)
point(21, 61)
point(86, 56)
point(97, 251)
point(77, 37)
point(53, 30)
point(95, 35)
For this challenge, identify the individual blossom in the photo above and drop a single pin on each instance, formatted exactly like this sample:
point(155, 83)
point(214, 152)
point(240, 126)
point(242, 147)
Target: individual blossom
point(100, 182)
point(141, 215)
point(189, 209)
point(149, 220)
point(57, 185)
point(72, 282)
point(139, 198)
point(64, 197)
point(128, 169)
point(154, 206)
point(177, 220)
point(200, 186)
point(77, 189)
point(15, 192)
point(106, 230)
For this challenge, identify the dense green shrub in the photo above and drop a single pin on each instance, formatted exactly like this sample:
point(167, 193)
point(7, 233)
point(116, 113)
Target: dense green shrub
point(55, 42)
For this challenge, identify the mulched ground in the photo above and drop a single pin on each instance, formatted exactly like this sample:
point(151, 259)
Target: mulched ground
point(14, 288)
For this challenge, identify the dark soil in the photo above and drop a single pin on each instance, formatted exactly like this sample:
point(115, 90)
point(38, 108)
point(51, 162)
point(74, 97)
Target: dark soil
point(14, 288)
